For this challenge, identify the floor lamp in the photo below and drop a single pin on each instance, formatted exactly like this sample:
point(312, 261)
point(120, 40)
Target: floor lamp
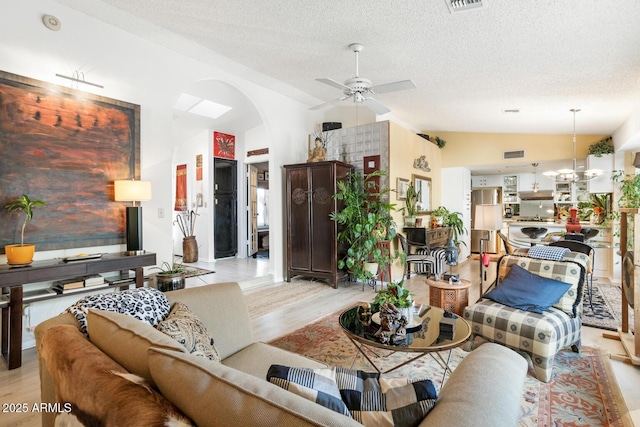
point(489, 218)
point(133, 191)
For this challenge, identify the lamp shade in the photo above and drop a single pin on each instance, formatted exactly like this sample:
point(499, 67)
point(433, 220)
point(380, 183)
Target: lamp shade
point(131, 190)
point(488, 217)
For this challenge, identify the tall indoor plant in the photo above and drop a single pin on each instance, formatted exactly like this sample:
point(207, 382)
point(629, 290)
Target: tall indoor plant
point(22, 253)
point(365, 220)
point(411, 205)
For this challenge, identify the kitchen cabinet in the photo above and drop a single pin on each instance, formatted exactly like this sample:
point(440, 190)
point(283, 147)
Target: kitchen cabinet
point(312, 237)
point(510, 189)
point(603, 183)
point(486, 181)
point(527, 179)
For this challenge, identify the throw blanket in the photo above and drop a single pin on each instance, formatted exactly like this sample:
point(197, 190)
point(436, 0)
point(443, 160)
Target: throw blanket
point(554, 253)
point(147, 304)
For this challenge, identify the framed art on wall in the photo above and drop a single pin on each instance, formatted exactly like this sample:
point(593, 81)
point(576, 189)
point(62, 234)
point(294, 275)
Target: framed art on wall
point(401, 188)
point(65, 147)
point(224, 145)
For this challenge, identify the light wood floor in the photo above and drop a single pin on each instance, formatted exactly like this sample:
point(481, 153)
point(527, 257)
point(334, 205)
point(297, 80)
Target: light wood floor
point(22, 385)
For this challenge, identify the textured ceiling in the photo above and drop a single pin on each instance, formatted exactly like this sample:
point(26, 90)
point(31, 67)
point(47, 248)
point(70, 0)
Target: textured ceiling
point(540, 56)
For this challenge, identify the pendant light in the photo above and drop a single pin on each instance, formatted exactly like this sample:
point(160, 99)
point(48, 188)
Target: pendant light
point(572, 175)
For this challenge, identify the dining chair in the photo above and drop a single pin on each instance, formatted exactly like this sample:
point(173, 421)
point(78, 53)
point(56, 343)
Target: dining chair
point(422, 260)
point(508, 247)
point(577, 246)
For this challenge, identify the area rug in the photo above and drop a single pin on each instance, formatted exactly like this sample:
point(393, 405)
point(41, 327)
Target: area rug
point(607, 309)
point(263, 301)
point(582, 392)
point(195, 271)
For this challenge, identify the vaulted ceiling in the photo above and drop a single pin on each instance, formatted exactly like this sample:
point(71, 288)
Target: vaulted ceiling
point(542, 57)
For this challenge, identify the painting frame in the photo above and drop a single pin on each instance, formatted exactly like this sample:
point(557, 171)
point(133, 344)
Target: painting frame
point(402, 185)
point(422, 185)
point(66, 147)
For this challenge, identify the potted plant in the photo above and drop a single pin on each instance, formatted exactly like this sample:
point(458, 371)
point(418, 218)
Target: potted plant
point(22, 254)
point(171, 277)
point(365, 220)
point(410, 205)
point(454, 220)
point(395, 294)
point(439, 214)
point(604, 146)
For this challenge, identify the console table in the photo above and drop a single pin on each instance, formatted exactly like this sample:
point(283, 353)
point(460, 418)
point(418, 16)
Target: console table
point(12, 280)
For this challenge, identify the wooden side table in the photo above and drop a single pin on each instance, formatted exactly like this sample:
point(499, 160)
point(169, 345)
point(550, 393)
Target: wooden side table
point(453, 298)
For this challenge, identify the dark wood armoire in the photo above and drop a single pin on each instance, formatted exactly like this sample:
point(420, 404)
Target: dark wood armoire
point(312, 237)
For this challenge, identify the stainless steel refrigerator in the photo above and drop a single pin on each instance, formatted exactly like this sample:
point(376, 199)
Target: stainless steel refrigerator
point(484, 196)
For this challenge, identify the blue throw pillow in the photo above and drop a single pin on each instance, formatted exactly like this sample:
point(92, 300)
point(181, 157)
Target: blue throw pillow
point(527, 291)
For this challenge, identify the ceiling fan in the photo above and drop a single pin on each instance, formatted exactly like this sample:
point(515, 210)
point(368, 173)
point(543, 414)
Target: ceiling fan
point(360, 88)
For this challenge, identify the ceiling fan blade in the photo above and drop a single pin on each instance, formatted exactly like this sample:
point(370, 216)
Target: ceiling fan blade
point(392, 87)
point(326, 104)
point(334, 84)
point(375, 106)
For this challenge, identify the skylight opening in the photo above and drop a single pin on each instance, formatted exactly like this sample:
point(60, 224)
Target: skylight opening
point(202, 107)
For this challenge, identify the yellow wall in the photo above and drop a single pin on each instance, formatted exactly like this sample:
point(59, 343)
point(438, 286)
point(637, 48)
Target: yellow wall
point(472, 149)
point(404, 147)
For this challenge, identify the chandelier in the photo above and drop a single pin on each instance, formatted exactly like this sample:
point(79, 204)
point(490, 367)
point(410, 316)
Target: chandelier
point(573, 175)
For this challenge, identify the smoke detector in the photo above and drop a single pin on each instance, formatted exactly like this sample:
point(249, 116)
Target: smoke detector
point(464, 5)
point(51, 22)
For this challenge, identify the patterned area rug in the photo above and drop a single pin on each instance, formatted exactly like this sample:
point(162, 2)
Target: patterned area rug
point(583, 391)
point(607, 308)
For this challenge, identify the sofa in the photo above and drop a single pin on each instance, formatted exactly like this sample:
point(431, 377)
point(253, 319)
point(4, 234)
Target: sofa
point(84, 382)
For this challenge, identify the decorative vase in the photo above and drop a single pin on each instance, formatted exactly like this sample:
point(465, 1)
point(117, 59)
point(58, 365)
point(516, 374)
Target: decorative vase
point(371, 267)
point(189, 249)
point(409, 221)
point(19, 254)
point(573, 222)
point(408, 313)
point(169, 281)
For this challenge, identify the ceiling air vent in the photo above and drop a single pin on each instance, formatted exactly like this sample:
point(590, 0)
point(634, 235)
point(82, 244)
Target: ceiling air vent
point(515, 154)
point(462, 5)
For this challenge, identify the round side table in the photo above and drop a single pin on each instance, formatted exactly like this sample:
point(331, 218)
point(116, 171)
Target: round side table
point(453, 298)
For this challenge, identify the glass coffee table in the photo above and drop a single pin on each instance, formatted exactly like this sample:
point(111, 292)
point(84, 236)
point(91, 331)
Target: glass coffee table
point(434, 330)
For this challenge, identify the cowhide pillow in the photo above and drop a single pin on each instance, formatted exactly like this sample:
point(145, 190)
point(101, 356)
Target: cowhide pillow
point(98, 391)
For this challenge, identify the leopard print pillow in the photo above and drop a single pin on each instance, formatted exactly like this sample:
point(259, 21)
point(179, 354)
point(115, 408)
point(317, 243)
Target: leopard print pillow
point(146, 304)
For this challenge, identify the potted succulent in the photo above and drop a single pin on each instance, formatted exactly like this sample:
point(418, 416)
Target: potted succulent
point(22, 253)
point(365, 220)
point(410, 205)
point(171, 277)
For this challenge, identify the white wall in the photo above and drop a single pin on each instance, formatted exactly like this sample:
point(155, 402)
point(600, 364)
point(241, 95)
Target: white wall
point(140, 72)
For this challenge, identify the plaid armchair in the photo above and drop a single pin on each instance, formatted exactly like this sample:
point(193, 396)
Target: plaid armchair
point(541, 336)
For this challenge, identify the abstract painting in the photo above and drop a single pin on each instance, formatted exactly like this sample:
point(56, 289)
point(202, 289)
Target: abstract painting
point(65, 147)
point(224, 145)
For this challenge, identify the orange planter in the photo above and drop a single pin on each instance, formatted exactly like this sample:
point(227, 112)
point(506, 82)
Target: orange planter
point(19, 254)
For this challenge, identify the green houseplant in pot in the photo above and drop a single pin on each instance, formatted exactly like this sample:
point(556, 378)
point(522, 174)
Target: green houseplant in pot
point(411, 205)
point(22, 253)
point(454, 220)
point(365, 220)
point(171, 277)
point(395, 294)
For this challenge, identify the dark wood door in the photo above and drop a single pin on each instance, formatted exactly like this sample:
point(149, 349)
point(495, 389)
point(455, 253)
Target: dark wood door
point(299, 219)
point(322, 227)
point(225, 221)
